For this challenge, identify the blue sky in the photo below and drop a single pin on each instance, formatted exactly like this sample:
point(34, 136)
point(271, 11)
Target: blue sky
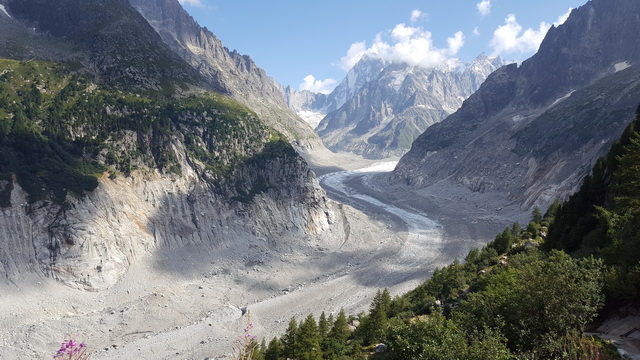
point(311, 44)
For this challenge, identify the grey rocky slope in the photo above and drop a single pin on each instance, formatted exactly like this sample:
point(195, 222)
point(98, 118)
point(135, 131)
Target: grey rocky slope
point(179, 170)
point(532, 132)
point(228, 71)
point(98, 35)
point(307, 104)
point(313, 107)
point(383, 116)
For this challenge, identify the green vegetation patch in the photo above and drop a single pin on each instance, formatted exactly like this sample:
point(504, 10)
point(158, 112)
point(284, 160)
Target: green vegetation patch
point(60, 132)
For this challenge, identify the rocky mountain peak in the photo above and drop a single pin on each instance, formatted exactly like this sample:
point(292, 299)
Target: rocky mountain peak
point(388, 112)
point(108, 37)
point(228, 71)
point(566, 103)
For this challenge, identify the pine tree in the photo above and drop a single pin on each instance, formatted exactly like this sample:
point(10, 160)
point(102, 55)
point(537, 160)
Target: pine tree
point(308, 340)
point(503, 241)
point(323, 325)
point(336, 341)
point(536, 215)
point(374, 326)
point(289, 340)
point(274, 351)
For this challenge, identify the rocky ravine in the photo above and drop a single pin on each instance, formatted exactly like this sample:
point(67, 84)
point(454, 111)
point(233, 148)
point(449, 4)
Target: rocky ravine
point(182, 296)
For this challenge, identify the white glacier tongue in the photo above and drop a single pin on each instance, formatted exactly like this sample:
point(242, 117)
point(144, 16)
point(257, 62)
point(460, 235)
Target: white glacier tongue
point(4, 10)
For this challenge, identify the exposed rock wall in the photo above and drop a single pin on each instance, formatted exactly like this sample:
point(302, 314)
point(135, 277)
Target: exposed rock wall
point(532, 132)
point(227, 71)
point(385, 115)
point(90, 242)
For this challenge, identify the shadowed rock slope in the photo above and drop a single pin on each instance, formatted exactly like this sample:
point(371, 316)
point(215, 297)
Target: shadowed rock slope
point(532, 132)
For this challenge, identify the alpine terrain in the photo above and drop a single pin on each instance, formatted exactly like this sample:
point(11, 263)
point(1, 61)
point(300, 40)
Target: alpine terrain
point(383, 117)
point(123, 158)
point(381, 107)
point(155, 202)
point(533, 131)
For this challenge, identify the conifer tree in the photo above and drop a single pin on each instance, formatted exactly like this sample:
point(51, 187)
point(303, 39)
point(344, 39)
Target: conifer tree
point(289, 340)
point(323, 326)
point(308, 340)
point(336, 341)
point(375, 324)
point(274, 351)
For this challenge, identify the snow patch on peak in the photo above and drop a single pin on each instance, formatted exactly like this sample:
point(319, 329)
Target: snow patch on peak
point(312, 118)
point(621, 66)
point(4, 10)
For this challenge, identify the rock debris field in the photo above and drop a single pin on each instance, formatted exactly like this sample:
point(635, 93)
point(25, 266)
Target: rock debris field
point(178, 304)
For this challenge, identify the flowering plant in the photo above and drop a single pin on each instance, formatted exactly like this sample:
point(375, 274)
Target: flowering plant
point(71, 350)
point(246, 345)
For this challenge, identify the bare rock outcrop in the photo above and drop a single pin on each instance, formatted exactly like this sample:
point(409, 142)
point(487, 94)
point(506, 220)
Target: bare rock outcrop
point(90, 242)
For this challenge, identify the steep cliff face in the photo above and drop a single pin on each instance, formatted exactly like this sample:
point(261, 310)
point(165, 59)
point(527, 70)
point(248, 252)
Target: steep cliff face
point(313, 107)
point(227, 71)
point(308, 105)
point(531, 132)
point(384, 116)
point(90, 242)
point(105, 158)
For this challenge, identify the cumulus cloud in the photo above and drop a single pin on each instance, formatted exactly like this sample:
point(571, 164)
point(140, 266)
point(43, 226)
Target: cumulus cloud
point(476, 31)
point(562, 18)
point(404, 44)
point(510, 37)
point(354, 54)
point(191, 2)
point(318, 86)
point(484, 7)
point(416, 15)
point(455, 43)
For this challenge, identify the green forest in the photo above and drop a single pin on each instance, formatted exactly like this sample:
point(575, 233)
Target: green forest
point(529, 294)
point(60, 132)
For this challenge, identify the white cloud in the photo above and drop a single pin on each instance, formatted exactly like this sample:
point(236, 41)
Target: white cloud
point(354, 54)
point(191, 2)
point(318, 86)
point(455, 43)
point(562, 18)
point(406, 44)
point(416, 15)
point(484, 7)
point(476, 31)
point(509, 38)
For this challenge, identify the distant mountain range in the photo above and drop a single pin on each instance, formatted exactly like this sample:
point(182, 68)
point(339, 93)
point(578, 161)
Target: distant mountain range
point(381, 107)
point(533, 131)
